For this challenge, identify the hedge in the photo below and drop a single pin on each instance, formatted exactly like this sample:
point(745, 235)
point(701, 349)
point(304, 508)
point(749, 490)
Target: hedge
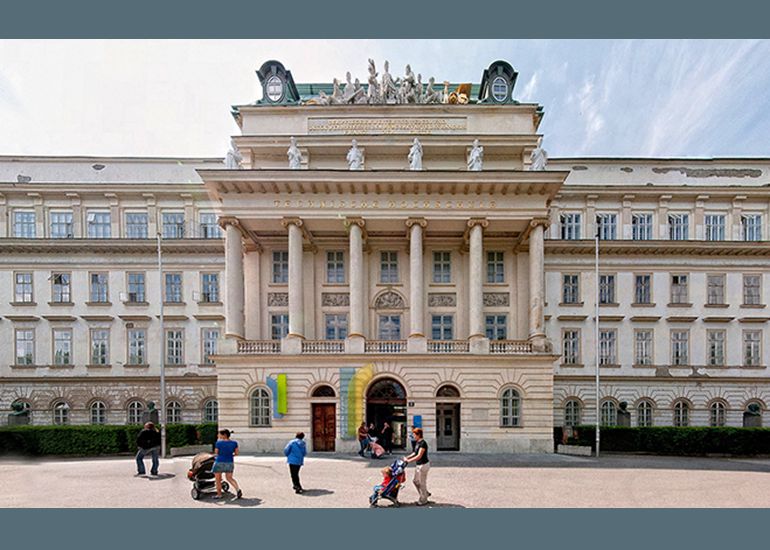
point(685, 441)
point(94, 440)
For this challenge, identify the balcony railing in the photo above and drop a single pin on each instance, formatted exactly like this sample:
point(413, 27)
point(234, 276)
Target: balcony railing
point(510, 347)
point(323, 346)
point(259, 346)
point(449, 346)
point(316, 347)
point(385, 346)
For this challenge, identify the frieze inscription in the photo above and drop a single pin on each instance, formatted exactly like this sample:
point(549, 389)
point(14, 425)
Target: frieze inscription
point(379, 126)
point(492, 299)
point(364, 204)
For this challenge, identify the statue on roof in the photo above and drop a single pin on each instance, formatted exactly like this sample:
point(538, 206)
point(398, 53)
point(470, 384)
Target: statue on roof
point(418, 89)
point(233, 158)
point(355, 157)
point(294, 154)
point(538, 157)
point(431, 95)
point(389, 91)
point(415, 155)
point(406, 93)
point(359, 94)
point(476, 157)
point(336, 97)
point(373, 94)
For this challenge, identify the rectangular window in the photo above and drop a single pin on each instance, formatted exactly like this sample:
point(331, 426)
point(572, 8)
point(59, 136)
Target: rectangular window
point(280, 267)
point(62, 288)
point(136, 225)
point(173, 288)
point(174, 346)
point(570, 293)
point(571, 346)
point(678, 227)
point(607, 226)
point(390, 327)
point(62, 347)
point(641, 227)
point(209, 338)
point(99, 226)
point(442, 327)
point(210, 288)
point(335, 267)
point(136, 287)
point(442, 267)
point(25, 346)
point(752, 348)
point(715, 227)
point(98, 291)
point(279, 325)
point(61, 224)
point(679, 289)
point(496, 327)
point(752, 290)
point(388, 267)
point(608, 347)
point(24, 224)
point(643, 339)
point(336, 326)
point(642, 289)
point(570, 226)
point(715, 348)
point(495, 267)
point(209, 226)
point(680, 347)
point(137, 341)
point(715, 289)
point(607, 289)
point(23, 288)
point(100, 346)
point(173, 225)
point(751, 227)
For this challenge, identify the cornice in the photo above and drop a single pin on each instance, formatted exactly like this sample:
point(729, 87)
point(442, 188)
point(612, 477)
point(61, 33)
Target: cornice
point(111, 246)
point(659, 248)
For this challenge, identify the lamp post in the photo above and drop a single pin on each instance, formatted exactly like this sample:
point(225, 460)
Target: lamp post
point(162, 347)
point(596, 336)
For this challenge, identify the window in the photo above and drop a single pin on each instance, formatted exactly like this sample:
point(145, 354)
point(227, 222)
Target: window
point(173, 225)
point(570, 293)
point(62, 288)
point(752, 348)
point(136, 287)
point(607, 226)
point(607, 289)
point(442, 267)
point(572, 413)
point(388, 267)
point(752, 290)
point(608, 347)
point(680, 347)
point(442, 327)
point(25, 346)
point(260, 407)
point(717, 414)
point(510, 409)
point(751, 227)
point(715, 289)
point(715, 348)
point(62, 347)
point(678, 227)
point(499, 89)
point(135, 410)
point(23, 288)
point(715, 227)
point(173, 412)
point(209, 226)
point(136, 225)
point(495, 267)
point(496, 327)
point(336, 326)
point(643, 339)
point(61, 413)
point(173, 290)
point(279, 325)
point(98, 291)
point(679, 291)
point(210, 288)
point(137, 341)
point(280, 267)
point(644, 414)
point(100, 346)
point(61, 225)
point(24, 224)
point(681, 414)
point(98, 412)
point(609, 413)
point(174, 346)
point(643, 289)
point(211, 411)
point(571, 346)
point(327, 391)
point(641, 227)
point(390, 327)
point(570, 226)
point(209, 337)
point(335, 267)
point(99, 226)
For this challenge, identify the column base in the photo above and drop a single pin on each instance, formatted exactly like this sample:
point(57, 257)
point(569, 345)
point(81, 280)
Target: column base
point(479, 345)
point(539, 342)
point(355, 344)
point(417, 344)
point(292, 344)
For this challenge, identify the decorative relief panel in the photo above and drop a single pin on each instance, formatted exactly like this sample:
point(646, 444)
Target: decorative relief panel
point(446, 299)
point(492, 299)
point(378, 126)
point(335, 299)
point(278, 299)
point(389, 300)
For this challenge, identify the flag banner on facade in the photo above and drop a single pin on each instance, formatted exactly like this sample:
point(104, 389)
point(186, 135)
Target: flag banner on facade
point(273, 384)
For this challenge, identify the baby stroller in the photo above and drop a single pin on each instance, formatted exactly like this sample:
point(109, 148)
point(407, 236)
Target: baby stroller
point(390, 491)
point(374, 449)
point(202, 477)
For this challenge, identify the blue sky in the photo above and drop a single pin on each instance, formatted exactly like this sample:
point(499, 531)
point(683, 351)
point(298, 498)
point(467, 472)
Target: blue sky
point(601, 97)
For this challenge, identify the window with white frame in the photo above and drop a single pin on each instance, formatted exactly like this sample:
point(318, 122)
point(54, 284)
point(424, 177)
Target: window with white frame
point(717, 414)
point(173, 288)
point(608, 347)
point(260, 407)
point(643, 289)
point(751, 227)
point(752, 290)
point(442, 267)
point(510, 408)
point(752, 348)
point(174, 412)
point(641, 226)
point(607, 226)
point(390, 327)
point(62, 288)
point(174, 346)
point(335, 267)
point(680, 347)
point(681, 414)
point(609, 412)
point(134, 412)
point(61, 224)
point(643, 342)
point(98, 291)
point(209, 226)
point(137, 225)
point(25, 346)
point(678, 227)
point(715, 287)
point(715, 227)
point(136, 287)
point(100, 346)
point(571, 346)
point(99, 224)
point(24, 224)
point(61, 413)
point(679, 289)
point(495, 267)
point(607, 289)
point(570, 293)
point(137, 346)
point(336, 326)
point(23, 288)
point(388, 266)
point(715, 347)
point(173, 225)
point(98, 412)
point(211, 411)
point(644, 417)
point(572, 413)
point(570, 226)
point(442, 327)
point(279, 325)
point(496, 326)
point(210, 288)
point(280, 266)
point(209, 338)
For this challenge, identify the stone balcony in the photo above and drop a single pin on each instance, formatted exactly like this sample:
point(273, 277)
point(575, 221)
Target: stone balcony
point(330, 347)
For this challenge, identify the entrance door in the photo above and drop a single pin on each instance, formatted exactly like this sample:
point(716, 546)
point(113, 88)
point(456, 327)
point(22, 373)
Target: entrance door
point(386, 402)
point(324, 427)
point(448, 426)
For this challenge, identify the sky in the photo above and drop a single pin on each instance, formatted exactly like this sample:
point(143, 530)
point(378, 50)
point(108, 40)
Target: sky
point(662, 98)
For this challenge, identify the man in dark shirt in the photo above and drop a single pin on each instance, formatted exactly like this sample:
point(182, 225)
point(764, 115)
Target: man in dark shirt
point(420, 457)
point(148, 442)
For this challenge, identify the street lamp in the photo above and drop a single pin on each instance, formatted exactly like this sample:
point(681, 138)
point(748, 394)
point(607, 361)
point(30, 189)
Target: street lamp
point(596, 336)
point(162, 354)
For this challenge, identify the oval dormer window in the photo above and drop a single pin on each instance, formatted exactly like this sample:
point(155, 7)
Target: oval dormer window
point(500, 89)
point(274, 88)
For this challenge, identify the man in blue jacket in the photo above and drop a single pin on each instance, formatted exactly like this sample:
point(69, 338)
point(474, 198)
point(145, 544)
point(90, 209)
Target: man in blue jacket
point(295, 452)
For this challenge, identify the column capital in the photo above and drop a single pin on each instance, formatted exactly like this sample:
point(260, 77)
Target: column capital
point(534, 222)
point(473, 222)
point(286, 222)
point(422, 221)
point(224, 221)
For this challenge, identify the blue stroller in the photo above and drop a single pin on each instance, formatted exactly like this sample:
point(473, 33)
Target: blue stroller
point(388, 490)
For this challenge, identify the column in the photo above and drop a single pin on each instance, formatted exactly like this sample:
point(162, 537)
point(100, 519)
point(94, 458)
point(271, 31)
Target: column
point(477, 334)
point(417, 343)
point(253, 292)
point(355, 341)
point(536, 274)
point(234, 298)
point(296, 288)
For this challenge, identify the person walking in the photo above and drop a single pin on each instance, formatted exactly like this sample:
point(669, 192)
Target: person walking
point(412, 440)
point(295, 452)
point(420, 457)
point(226, 449)
point(387, 437)
point(148, 443)
point(363, 438)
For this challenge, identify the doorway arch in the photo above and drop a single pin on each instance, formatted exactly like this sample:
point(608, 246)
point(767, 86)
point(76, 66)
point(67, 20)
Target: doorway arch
point(386, 402)
point(448, 418)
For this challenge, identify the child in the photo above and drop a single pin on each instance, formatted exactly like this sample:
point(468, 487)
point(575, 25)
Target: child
point(387, 477)
point(225, 449)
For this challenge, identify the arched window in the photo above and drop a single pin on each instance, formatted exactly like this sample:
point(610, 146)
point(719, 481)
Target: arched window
point(510, 408)
point(324, 391)
point(717, 414)
point(173, 412)
point(211, 411)
point(644, 414)
point(681, 414)
point(61, 413)
point(609, 413)
point(135, 410)
point(572, 413)
point(98, 412)
point(260, 407)
point(447, 391)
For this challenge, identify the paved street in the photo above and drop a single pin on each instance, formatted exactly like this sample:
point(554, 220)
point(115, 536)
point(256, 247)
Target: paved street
point(455, 481)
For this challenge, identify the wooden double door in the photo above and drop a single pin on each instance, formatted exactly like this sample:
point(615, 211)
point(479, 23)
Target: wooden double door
point(324, 427)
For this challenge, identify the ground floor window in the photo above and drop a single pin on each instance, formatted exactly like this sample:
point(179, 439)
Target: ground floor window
point(681, 414)
point(211, 411)
point(717, 414)
point(61, 413)
point(260, 407)
point(173, 412)
point(510, 408)
point(98, 412)
point(609, 414)
point(135, 410)
point(644, 414)
point(572, 413)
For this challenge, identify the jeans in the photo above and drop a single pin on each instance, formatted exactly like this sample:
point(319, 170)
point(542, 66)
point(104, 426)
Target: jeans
point(155, 452)
point(294, 470)
point(364, 443)
point(421, 481)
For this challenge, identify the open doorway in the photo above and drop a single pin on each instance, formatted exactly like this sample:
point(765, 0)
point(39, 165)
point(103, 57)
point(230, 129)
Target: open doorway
point(386, 402)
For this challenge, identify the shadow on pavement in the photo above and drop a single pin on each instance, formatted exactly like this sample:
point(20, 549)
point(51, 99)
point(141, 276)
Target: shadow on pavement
point(316, 492)
point(242, 502)
point(161, 477)
point(430, 504)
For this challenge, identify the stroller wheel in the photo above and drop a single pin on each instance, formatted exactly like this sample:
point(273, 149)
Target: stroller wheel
point(225, 486)
point(195, 493)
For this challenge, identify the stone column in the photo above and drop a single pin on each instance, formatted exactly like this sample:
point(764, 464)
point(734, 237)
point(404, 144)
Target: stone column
point(536, 275)
point(253, 292)
point(234, 296)
point(477, 334)
point(296, 288)
point(417, 343)
point(355, 341)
